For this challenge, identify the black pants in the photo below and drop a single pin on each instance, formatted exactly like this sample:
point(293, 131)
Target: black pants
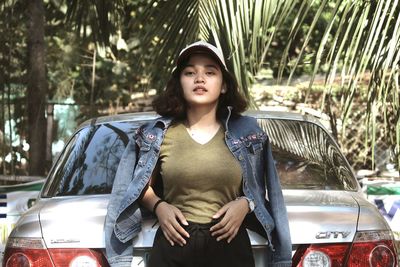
point(202, 250)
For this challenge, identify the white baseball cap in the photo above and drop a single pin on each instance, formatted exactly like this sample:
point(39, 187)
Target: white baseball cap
point(201, 46)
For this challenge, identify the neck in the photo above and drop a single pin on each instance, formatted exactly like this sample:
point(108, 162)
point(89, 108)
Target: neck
point(202, 118)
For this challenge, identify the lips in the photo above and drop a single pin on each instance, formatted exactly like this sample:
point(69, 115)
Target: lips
point(199, 89)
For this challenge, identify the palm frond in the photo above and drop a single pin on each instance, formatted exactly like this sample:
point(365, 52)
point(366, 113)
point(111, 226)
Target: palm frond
point(98, 18)
point(243, 30)
point(366, 40)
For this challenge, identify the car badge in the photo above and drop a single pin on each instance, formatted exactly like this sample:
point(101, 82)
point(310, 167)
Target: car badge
point(332, 234)
point(63, 241)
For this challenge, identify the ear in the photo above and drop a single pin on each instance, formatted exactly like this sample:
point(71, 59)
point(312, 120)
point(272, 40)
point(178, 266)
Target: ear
point(223, 90)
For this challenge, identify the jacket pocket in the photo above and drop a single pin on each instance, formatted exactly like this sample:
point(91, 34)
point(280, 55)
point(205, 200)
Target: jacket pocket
point(143, 155)
point(254, 147)
point(144, 143)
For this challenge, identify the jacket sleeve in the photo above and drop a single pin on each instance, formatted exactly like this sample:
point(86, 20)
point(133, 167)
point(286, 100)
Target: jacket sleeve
point(117, 251)
point(281, 241)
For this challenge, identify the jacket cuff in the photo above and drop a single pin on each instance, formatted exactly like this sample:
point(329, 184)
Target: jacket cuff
point(120, 261)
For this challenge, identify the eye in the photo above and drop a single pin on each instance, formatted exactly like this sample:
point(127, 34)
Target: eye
point(210, 73)
point(188, 73)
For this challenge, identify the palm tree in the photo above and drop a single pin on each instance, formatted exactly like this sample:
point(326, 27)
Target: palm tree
point(361, 37)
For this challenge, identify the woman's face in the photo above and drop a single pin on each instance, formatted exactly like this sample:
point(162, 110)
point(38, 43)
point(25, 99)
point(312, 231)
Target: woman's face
point(201, 81)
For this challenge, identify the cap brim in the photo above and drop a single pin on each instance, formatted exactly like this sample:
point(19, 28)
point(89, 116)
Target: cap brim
point(199, 49)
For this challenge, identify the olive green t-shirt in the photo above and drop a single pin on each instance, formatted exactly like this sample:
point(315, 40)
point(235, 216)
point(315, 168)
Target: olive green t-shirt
point(198, 178)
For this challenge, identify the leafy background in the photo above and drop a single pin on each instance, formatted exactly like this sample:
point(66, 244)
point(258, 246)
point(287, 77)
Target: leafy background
point(340, 58)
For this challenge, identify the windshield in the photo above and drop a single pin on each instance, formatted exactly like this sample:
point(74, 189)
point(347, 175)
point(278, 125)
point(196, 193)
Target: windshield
point(89, 161)
point(305, 155)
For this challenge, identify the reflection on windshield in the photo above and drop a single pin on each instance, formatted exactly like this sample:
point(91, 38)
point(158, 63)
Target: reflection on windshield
point(90, 160)
point(306, 156)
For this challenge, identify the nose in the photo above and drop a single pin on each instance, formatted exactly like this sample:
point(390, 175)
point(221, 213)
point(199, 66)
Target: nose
point(199, 78)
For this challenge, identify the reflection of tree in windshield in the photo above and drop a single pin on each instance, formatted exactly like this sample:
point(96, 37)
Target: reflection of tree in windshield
point(106, 156)
point(92, 163)
point(76, 165)
point(306, 157)
point(97, 189)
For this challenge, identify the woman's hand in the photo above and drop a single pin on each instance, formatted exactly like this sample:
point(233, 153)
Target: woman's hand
point(168, 216)
point(234, 213)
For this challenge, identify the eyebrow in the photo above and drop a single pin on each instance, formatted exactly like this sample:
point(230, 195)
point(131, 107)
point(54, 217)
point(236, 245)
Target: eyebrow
point(207, 66)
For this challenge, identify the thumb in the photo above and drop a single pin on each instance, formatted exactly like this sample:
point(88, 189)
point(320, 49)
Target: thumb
point(181, 217)
point(220, 212)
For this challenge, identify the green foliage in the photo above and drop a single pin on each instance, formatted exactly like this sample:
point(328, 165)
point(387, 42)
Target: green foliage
point(99, 67)
point(12, 77)
point(100, 52)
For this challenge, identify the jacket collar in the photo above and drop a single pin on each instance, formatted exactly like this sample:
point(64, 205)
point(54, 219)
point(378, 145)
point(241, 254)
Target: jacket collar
point(166, 121)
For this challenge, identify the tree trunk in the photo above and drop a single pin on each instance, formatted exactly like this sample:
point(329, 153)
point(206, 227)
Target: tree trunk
point(3, 124)
point(37, 88)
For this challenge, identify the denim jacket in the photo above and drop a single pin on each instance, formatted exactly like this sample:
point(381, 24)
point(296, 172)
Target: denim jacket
point(251, 147)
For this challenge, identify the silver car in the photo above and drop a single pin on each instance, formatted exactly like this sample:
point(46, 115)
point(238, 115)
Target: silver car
point(331, 222)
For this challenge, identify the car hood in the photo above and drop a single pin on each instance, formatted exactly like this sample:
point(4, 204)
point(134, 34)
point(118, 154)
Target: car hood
point(78, 222)
point(73, 221)
point(315, 217)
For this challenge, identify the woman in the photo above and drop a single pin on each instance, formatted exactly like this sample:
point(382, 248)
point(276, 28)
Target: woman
point(203, 169)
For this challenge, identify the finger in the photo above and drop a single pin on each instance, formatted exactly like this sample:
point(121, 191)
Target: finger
point(232, 236)
point(175, 236)
point(182, 219)
point(220, 224)
point(217, 226)
point(222, 230)
point(166, 235)
point(181, 230)
point(227, 234)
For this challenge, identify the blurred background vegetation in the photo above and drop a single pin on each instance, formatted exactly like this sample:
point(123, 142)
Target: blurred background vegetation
point(64, 61)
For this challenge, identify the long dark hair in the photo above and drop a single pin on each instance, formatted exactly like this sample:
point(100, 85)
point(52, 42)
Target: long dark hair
point(171, 102)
